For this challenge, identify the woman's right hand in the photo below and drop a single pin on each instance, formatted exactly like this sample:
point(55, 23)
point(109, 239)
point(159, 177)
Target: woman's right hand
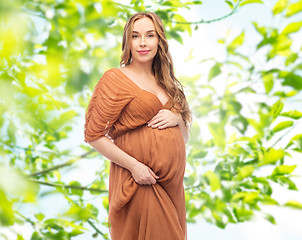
point(143, 175)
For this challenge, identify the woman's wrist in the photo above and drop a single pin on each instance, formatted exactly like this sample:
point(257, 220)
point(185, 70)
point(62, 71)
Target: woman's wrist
point(132, 164)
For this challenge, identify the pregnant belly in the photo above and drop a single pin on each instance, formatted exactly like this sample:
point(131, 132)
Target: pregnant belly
point(162, 150)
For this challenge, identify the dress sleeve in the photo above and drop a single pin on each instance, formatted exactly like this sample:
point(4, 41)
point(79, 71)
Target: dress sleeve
point(109, 98)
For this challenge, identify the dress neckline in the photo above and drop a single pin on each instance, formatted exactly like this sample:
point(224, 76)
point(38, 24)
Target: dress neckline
point(141, 89)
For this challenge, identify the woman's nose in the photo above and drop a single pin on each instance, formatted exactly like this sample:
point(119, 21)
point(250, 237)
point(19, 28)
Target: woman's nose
point(143, 41)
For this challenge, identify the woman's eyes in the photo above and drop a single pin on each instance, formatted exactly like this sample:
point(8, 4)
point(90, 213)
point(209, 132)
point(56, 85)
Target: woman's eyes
point(149, 36)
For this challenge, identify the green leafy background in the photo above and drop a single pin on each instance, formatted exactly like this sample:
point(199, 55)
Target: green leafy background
point(246, 139)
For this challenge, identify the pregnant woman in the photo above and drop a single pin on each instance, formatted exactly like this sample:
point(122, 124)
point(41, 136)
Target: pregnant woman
point(139, 119)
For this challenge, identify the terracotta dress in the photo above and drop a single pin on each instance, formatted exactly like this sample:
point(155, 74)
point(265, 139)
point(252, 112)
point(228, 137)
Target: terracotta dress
point(120, 109)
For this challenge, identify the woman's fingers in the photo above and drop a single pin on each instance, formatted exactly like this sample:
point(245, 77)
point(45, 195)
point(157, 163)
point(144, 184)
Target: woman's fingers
point(155, 120)
point(153, 174)
point(164, 126)
point(143, 175)
point(164, 118)
point(158, 117)
point(152, 180)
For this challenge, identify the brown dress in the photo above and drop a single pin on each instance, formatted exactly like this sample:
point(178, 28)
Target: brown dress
point(120, 109)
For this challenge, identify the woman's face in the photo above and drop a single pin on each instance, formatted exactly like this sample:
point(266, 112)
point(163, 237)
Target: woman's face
point(144, 41)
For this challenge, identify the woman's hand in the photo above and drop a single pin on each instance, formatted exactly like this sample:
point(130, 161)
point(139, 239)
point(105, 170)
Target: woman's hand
point(165, 118)
point(143, 175)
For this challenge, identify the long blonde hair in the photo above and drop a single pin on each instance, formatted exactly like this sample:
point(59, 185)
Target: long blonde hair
point(162, 65)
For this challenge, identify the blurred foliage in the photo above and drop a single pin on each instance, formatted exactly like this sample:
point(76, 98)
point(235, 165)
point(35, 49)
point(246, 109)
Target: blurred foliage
point(51, 54)
point(246, 122)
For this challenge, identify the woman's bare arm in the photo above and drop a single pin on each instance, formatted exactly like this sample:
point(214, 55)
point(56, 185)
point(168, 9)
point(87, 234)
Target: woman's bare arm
point(184, 129)
point(141, 173)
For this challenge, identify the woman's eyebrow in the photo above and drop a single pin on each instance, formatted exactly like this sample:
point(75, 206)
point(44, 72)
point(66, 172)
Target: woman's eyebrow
point(146, 31)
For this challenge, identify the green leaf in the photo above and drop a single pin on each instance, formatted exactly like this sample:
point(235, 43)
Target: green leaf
point(270, 218)
point(93, 209)
point(230, 214)
point(243, 214)
point(294, 8)
point(19, 237)
point(247, 197)
point(284, 94)
point(291, 59)
point(284, 181)
point(284, 169)
point(268, 81)
point(214, 180)
point(36, 236)
point(167, 3)
point(291, 28)
point(54, 224)
point(282, 125)
point(234, 107)
point(297, 140)
point(75, 232)
point(187, 27)
point(298, 66)
point(105, 202)
point(74, 191)
point(249, 2)
point(214, 71)
point(7, 215)
point(280, 6)
point(277, 108)
point(281, 46)
point(218, 132)
point(293, 204)
point(174, 3)
point(78, 213)
point(231, 5)
point(195, 2)
point(235, 64)
point(292, 114)
point(269, 201)
point(291, 79)
point(245, 172)
point(238, 41)
point(271, 156)
point(40, 216)
point(173, 34)
point(198, 153)
point(240, 123)
point(67, 116)
point(261, 30)
point(266, 187)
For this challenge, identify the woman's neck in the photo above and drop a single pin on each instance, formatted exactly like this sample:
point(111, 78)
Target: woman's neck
point(141, 68)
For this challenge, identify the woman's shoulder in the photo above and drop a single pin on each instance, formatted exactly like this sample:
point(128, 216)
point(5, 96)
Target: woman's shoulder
point(115, 78)
point(110, 75)
point(112, 72)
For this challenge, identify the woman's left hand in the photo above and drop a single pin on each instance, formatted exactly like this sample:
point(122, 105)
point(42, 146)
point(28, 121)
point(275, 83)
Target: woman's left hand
point(164, 119)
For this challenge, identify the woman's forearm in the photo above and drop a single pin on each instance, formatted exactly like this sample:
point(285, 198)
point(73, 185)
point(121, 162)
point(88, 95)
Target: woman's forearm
point(184, 130)
point(140, 172)
point(109, 150)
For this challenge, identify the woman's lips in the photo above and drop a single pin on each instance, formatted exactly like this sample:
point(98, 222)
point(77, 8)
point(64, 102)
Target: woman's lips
point(143, 52)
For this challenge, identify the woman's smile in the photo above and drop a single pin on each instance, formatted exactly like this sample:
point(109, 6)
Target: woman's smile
point(143, 52)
